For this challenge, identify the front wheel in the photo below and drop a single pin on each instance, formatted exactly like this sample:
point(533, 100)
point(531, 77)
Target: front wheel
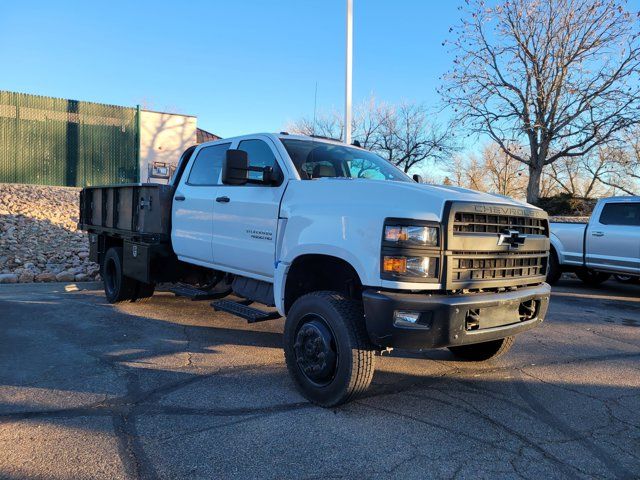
point(591, 277)
point(327, 350)
point(479, 352)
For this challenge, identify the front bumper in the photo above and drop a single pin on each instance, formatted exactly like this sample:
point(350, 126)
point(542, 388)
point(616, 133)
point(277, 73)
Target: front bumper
point(443, 319)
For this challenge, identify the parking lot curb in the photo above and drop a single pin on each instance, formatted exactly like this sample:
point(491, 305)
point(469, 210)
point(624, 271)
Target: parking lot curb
point(49, 287)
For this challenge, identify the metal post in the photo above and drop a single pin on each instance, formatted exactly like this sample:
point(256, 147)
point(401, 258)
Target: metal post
point(347, 103)
point(139, 172)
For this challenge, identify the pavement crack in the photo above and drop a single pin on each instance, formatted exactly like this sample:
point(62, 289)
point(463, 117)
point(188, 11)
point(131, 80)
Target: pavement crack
point(568, 470)
point(450, 430)
point(196, 431)
point(189, 354)
point(559, 425)
point(125, 449)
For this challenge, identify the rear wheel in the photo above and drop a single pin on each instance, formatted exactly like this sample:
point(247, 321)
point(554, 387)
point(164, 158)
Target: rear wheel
point(591, 277)
point(327, 348)
point(117, 287)
point(479, 352)
point(144, 291)
point(627, 278)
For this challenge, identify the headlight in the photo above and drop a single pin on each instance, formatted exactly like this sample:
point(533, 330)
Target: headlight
point(411, 235)
point(410, 266)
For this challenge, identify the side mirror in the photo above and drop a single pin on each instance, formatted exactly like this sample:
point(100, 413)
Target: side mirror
point(235, 169)
point(417, 178)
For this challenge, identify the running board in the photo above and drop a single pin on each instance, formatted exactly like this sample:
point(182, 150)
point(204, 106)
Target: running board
point(250, 314)
point(195, 294)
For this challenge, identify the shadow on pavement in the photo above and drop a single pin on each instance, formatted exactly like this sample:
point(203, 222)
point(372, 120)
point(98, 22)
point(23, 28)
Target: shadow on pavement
point(70, 356)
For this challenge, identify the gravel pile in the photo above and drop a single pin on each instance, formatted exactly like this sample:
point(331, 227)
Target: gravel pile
point(39, 241)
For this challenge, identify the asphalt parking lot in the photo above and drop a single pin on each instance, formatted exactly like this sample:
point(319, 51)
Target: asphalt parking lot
point(170, 389)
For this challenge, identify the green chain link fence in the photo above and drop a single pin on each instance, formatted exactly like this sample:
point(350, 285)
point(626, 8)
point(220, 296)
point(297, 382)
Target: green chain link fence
point(53, 141)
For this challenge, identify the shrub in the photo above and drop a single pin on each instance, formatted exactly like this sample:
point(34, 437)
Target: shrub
point(567, 204)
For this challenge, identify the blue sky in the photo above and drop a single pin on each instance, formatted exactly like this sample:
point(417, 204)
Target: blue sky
point(240, 66)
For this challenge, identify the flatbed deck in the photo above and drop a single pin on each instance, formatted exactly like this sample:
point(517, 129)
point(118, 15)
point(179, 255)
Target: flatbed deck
point(139, 212)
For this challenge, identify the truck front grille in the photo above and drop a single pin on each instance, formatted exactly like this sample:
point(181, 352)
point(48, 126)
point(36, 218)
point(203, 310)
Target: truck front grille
point(472, 267)
point(470, 222)
point(494, 246)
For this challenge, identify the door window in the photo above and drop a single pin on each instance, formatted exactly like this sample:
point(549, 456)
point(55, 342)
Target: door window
point(260, 155)
point(208, 165)
point(621, 214)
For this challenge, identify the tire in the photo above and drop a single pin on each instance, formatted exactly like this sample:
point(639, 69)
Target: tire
point(626, 279)
point(117, 287)
point(144, 291)
point(327, 349)
point(591, 277)
point(555, 272)
point(479, 352)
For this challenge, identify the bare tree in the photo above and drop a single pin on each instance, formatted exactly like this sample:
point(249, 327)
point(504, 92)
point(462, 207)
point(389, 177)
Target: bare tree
point(325, 124)
point(402, 134)
point(368, 120)
point(407, 138)
point(505, 175)
point(366, 123)
point(581, 177)
point(476, 175)
point(622, 168)
point(548, 186)
point(497, 172)
point(559, 76)
point(493, 172)
point(457, 173)
point(468, 172)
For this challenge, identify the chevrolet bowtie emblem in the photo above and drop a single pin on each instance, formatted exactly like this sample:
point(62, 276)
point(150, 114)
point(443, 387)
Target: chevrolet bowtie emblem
point(513, 238)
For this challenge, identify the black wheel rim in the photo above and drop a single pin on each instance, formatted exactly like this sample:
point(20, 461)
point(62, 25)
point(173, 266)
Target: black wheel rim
point(110, 276)
point(315, 350)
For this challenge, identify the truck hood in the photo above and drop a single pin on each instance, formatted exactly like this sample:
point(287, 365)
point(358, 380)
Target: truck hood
point(385, 198)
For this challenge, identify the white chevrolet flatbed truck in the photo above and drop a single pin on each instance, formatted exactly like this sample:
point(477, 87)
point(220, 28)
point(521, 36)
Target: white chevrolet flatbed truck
point(608, 244)
point(355, 254)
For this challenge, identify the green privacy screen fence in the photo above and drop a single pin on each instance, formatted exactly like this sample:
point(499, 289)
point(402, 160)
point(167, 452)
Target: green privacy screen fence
point(52, 141)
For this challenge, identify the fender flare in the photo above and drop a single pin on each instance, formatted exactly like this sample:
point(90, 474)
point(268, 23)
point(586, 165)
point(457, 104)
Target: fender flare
point(556, 245)
point(283, 266)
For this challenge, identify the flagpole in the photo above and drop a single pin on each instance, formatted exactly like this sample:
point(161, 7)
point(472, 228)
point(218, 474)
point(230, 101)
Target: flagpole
point(349, 58)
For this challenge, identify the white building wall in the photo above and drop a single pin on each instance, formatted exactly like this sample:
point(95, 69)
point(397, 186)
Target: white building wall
point(163, 138)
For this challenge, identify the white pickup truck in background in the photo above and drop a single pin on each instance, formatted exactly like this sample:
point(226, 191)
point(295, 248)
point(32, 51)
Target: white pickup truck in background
point(608, 244)
point(357, 255)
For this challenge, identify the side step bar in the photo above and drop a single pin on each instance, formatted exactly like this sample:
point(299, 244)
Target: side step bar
point(195, 294)
point(250, 314)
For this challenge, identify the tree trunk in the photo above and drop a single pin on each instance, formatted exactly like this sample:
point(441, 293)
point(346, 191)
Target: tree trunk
point(533, 187)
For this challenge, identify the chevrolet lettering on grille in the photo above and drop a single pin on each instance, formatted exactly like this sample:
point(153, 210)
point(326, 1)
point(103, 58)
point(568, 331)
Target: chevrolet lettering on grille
point(513, 238)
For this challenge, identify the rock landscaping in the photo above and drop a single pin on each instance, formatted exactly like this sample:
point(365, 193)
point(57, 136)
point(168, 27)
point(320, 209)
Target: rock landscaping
point(39, 239)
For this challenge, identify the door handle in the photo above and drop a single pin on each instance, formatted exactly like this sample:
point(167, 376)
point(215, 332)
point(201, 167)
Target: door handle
point(179, 198)
point(597, 234)
point(223, 199)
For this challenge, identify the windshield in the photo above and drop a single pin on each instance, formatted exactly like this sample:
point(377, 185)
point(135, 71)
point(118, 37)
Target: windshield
point(319, 159)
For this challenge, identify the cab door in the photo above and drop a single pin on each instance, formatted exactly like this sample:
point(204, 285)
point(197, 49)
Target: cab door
point(246, 216)
point(193, 205)
point(613, 237)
